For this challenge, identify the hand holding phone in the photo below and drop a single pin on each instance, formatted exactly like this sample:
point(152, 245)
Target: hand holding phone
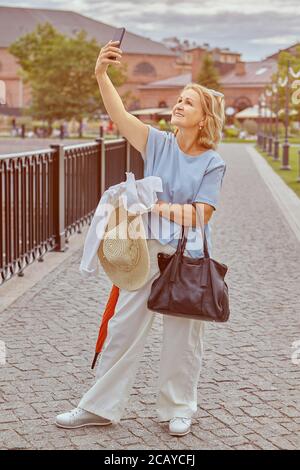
point(118, 37)
point(109, 53)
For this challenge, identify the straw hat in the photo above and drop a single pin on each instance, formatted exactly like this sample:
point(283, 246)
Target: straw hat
point(123, 251)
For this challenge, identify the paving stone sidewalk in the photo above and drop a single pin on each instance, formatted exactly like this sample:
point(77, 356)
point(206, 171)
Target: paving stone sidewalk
point(248, 392)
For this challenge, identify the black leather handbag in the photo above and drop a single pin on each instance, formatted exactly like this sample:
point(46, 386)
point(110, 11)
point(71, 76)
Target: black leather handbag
point(190, 287)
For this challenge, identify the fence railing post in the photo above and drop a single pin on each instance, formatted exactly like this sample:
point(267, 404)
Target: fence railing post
point(100, 141)
point(59, 197)
point(128, 149)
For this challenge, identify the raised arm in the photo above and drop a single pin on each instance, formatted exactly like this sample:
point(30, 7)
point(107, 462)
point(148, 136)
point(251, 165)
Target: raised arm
point(135, 131)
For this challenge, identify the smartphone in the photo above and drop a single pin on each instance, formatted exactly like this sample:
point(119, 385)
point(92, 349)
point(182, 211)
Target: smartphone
point(118, 36)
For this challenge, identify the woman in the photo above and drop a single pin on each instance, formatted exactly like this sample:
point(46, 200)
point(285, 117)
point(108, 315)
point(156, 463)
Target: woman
point(192, 172)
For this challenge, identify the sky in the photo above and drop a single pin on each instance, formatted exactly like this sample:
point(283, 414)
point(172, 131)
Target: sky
point(256, 29)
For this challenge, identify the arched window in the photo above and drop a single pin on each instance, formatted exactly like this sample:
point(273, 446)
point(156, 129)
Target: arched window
point(8, 97)
point(135, 104)
point(162, 104)
point(3, 96)
point(144, 68)
point(241, 103)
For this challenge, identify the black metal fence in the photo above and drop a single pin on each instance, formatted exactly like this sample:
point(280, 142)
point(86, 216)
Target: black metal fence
point(47, 195)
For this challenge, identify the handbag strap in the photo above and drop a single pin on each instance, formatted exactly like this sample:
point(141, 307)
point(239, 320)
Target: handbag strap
point(184, 233)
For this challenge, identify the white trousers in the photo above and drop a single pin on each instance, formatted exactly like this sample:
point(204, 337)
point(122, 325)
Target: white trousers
point(180, 361)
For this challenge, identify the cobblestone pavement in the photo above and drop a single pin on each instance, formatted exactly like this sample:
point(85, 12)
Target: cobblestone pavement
point(248, 392)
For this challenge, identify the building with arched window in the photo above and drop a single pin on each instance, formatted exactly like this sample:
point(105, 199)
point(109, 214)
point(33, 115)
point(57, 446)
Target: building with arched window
point(156, 72)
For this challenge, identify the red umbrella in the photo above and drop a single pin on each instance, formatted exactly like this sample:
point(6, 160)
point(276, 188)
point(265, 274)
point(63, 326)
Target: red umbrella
point(108, 313)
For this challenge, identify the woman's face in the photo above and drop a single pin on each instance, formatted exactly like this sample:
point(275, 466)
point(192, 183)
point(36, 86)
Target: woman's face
point(187, 111)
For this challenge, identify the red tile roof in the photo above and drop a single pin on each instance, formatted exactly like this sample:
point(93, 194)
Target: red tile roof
point(256, 74)
point(15, 22)
point(290, 49)
point(171, 82)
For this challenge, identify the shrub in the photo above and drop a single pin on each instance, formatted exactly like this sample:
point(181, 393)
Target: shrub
point(250, 126)
point(231, 132)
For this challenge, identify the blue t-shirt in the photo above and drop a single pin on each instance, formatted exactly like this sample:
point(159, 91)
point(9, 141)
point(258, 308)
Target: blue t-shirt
point(185, 179)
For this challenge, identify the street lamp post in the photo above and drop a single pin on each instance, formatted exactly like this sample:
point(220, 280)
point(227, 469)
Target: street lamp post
point(271, 124)
point(259, 123)
point(286, 145)
point(276, 141)
point(265, 125)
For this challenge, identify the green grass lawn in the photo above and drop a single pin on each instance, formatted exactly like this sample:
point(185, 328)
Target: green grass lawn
point(236, 140)
point(292, 140)
point(289, 176)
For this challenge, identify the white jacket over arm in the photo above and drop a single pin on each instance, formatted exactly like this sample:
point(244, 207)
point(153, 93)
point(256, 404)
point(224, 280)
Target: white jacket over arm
point(138, 196)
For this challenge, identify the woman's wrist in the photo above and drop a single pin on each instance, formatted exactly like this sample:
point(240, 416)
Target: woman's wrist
point(101, 75)
point(169, 210)
point(160, 205)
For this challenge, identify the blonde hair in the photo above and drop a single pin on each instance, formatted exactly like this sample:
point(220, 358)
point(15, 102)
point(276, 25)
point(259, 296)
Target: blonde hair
point(213, 107)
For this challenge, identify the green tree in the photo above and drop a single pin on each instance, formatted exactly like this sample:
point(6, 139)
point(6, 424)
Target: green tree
point(282, 65)
point(60, 72)
point(209, 75)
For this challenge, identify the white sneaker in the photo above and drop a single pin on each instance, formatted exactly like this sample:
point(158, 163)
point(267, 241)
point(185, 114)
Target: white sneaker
point(78, 418)
point(179, 426)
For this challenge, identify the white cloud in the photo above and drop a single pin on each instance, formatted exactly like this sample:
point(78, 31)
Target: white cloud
point(277, 40)
point(238, 24)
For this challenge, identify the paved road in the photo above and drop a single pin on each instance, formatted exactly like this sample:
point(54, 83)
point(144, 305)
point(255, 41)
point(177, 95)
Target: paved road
point(248, 393)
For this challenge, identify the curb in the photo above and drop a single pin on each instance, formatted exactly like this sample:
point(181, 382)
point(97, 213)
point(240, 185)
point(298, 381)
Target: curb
point(17, 286)
point(285, 197)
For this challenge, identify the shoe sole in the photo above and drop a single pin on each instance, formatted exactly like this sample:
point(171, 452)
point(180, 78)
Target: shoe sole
point(178, 433)
point(82, 425)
